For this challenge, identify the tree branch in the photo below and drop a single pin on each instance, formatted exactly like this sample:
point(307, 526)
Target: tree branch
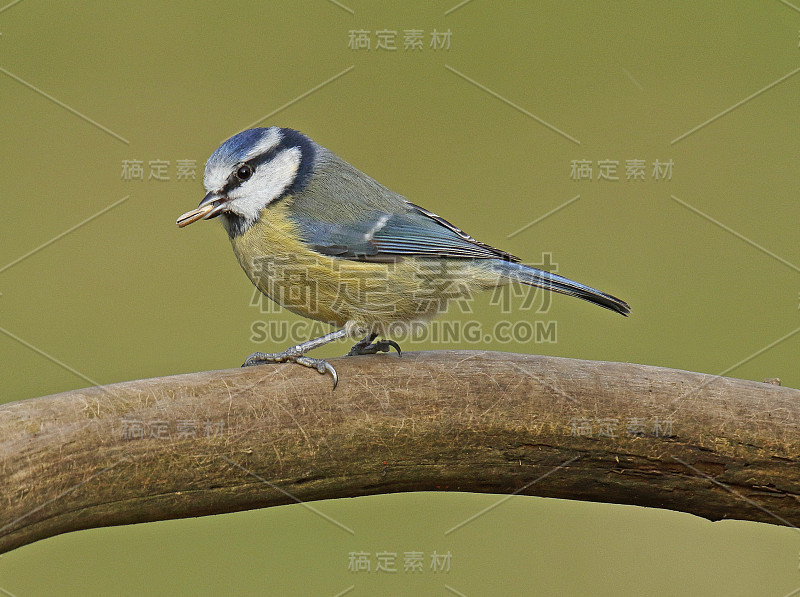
point(224, 441)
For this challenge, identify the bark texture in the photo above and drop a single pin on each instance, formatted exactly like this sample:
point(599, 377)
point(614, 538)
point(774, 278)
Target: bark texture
point(224, 441)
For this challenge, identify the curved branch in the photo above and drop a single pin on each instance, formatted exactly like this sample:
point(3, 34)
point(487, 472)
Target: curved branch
point(224, 441)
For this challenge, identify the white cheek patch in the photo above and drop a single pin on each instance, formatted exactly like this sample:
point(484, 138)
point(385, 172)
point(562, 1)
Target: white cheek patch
point(268, 182)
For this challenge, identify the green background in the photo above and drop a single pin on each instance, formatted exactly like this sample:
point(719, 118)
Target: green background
point(128, 295)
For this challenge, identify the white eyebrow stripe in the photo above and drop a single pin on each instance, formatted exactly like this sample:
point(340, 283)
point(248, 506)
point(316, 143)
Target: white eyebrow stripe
point(220, 165)
point(378, 226)
point(269, 141)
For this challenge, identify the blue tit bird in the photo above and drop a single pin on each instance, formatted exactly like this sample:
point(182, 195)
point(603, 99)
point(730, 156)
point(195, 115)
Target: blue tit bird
point(328, 242)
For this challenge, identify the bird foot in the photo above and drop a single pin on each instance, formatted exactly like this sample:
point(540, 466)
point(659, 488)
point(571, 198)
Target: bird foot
point(292, 355)
point(365, 347)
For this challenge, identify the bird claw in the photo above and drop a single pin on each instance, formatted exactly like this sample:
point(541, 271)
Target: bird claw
point(257, 358)
point(374, 348)
point(291, 356)
point(320, 365)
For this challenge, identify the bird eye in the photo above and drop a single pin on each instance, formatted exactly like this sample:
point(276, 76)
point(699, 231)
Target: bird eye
point(244, 172)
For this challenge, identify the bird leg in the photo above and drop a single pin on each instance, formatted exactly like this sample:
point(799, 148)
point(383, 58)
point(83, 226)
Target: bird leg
point(367, 346)
point(296, 354)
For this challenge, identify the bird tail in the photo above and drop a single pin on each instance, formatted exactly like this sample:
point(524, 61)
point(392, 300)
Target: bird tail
point(542, 279)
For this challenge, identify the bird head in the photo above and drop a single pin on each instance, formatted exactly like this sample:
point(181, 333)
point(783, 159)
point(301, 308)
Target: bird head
point(250, 171)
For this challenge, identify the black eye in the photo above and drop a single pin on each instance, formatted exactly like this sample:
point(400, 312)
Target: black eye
point(244, 172)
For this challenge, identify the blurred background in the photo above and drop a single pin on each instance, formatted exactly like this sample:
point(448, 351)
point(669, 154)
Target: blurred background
point(649, 150)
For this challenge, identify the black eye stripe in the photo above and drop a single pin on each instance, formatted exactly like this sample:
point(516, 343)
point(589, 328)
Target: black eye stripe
point(291, 139)
point(234, 181)
point(231, 184)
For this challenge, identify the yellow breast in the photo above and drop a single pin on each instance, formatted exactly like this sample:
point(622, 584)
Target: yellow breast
point(341, 291)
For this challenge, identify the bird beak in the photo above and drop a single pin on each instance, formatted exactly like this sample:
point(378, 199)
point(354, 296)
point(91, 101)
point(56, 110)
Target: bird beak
point(210, 207)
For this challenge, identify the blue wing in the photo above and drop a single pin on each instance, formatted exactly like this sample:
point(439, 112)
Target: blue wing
point(380, 236)
point(345, 213)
